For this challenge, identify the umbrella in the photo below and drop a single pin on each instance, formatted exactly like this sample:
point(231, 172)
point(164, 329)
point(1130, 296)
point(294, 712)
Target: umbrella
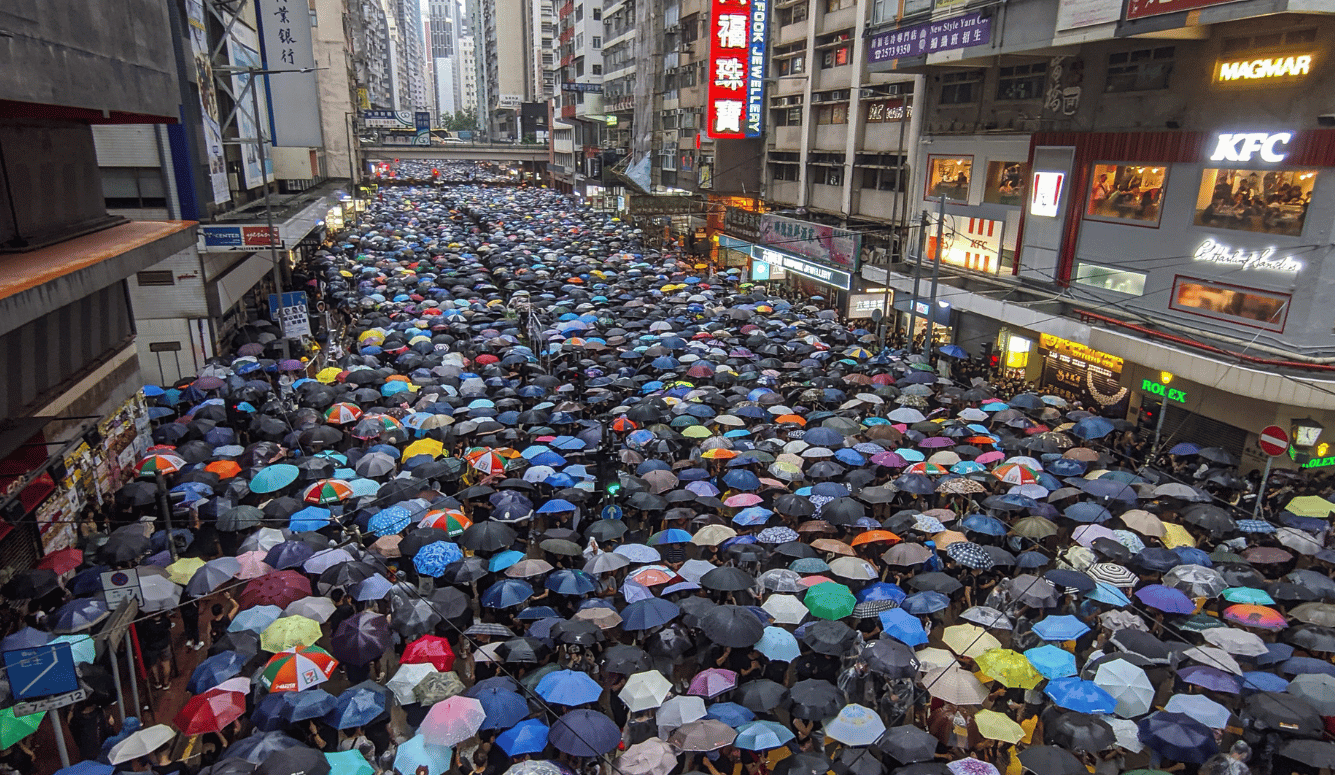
point(210, 712)
point(15, 728)
point(855, 725)
point(584, 733)
point(1178, 737)
point(141, 743)
point(526, 737)
point(702, 735)
point(452, 721)
point(645, 690)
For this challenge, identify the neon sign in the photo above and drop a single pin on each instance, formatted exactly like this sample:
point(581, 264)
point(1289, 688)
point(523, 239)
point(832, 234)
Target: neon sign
point(1160, 389)
point(1241, 146)
point(739, 31)
point(1258, 69)
point(1262, 260)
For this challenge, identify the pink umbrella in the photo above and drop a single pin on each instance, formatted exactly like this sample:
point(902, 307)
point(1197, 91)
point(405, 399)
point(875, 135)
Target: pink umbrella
point(453, 720)
point(252, 565)
point(888, 459)
point(990, 457)
point(703, 488)
point(712, 682)
point(742, 500)
point(1085, 535)
point(811, 581)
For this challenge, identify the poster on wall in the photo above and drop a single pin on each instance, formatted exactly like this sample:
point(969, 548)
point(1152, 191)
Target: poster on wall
point(1006, 181)
point(969, 243)
point(244, 55)
point(1084, 375)
point(208, 101)
point(1072, 14)
point(815, 241)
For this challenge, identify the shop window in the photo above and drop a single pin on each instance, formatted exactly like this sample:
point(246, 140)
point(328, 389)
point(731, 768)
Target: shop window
point(949, 176)
point(1269, 201)
point(1246, 306)
point(1126, 192)
point(1006, 182)
point(1110, 279)
point(1144, 69)
point(832, 113)
point(961, 88)
point(1022, 82)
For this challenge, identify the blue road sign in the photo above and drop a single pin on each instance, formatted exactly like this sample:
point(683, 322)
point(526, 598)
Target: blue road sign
point(612, 511)
point(41, 671)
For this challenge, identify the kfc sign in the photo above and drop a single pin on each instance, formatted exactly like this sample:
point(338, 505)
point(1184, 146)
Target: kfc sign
point(1241, 146)
point(737, 42)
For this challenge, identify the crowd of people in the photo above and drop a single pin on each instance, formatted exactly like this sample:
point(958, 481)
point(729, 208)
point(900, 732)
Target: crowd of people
point(561, 504)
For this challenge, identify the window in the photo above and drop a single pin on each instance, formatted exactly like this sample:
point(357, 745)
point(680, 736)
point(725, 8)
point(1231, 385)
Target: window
point(597, 42)
point(1272, 201)
point(597, 14)
point(1303, 37)
point(887, 110)
point(1006, 182)
point(1022, 82)
point(794, 65)
point(835, 57)
point(881, 171)
point(961, 88)
point(1110, 279)
point(1250, 307)
point(783, 165)
point(832, 113)
point(1126, 192)
point(827, 176)
point(131, 187)
point(949, 176)
point(793, 14)
point(596, 69)
point(787, 116)
point(1140, 70)
point(838, 5)
point(155, 277)
point(579, 13)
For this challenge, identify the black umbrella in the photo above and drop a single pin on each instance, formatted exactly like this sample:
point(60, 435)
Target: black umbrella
point(732, 626)
point(626, 660)
point(1280, 712)
point(299, 760)
point(30, 584)
point(466, 570)
point(908, 744)
point(124, 545)
point(1050, 760)
point(832, 638)
point(803, 764)
point(1314, 753)
point(761, 695)
point(671, 642)
point(1144, 644)
point(814, 698)
point(728, 578)
point(1079, 732)
point(891, 658)
point(936, 582)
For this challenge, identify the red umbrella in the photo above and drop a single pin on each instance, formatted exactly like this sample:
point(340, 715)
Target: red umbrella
point(430, 648)
point(280, 588)
point(62, 561)
point(209, 712)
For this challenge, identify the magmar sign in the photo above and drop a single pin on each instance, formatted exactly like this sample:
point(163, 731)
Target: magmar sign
point(739, 32)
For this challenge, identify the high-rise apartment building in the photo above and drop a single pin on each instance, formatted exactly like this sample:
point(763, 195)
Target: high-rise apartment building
point(443, 35)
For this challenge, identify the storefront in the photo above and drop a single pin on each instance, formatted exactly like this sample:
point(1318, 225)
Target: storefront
point(809, 279)
point(943, 329)
point(1082, 375)
point(732, 253)
point(864, 304)
point(817, 260)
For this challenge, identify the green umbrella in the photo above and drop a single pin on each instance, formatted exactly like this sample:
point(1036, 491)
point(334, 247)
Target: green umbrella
point(15, 728)
point(829, 600)
point(1248, 596)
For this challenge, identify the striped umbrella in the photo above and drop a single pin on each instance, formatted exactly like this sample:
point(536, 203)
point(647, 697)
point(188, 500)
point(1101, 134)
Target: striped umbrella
point(451, 521)
point(342, 413)
point(297, 669)
point(488, 463)
point(1014, 473)
point(327, 491)
point(160, 463)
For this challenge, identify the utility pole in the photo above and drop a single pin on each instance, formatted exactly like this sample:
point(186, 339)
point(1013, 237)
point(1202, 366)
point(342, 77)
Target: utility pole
point(936, 274)
point(917, 280)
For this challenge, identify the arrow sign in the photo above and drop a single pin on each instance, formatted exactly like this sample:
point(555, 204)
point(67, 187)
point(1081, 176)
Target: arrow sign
point(1274, 441)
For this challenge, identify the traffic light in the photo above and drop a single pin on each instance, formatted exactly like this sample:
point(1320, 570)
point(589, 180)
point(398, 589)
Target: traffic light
point(994, 361)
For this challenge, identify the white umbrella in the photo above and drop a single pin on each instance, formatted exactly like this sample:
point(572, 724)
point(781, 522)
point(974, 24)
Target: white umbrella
point(645, 690)
point(159, 592)
point(1298, 541)
point(1214, 657)
point(141, 743)
point(679, 710)
point(262, 540)
point(855, 725)
point(1126, 733)
point(452, 721)
point(854, 568)
point(905, 414)
point(988, 617)
point(1235, 641)
point(314, 607)
point(785, 609)
point(406, 678)
point(692, 570)
point(1128, 684)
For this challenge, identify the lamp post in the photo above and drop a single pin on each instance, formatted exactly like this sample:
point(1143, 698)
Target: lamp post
point(1165, 377)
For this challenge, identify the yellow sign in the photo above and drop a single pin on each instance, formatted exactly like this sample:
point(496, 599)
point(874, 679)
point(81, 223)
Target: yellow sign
point(1080, 352)
point(1266, 68)
point(363, 98)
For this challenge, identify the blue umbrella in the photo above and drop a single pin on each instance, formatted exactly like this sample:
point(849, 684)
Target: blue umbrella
point(670, 536)
point(903, 627)
point(389, 521)
point(215, 670)
point(980, 523)
point(526, 737)
point(87, 768)
point(730, 713)
point(569, 688)
point(1085, 511)
point(1079, 695)
point(584, 733)
point(274, 478)
point(309, 518)
point(648, 613)
point(924, 603)
point(1051, 662)
point(417, 752)
point(779, 645)
point(431, 559)
point(503, 560)
point(568, 581)
point(741, 479)
point(1178, 737)
point(1092, 428)
point(881, 590)
point(1057, 628)
point(504, 710)
point(290, 554)
point(762, 735)
point(255, 619)
point(506, 593)
point(1104, 592)
point(280, 710)
point(358, 705)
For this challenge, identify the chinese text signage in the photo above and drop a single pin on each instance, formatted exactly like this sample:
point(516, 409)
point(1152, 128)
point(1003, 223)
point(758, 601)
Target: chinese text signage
point(814, 241)
point(1139, 9)
point(285, 37)
point(832, 277)
point(742, 223)
point(738, 33)
point(973, 29)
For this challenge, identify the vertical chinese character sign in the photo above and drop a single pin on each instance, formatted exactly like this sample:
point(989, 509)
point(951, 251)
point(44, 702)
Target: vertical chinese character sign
point(737, 43)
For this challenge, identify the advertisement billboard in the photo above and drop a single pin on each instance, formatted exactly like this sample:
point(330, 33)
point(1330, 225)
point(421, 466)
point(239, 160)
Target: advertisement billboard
point(247, 54)
point(974, 29)
point(814, 241)
point(739, 32)
point(1139, 9)
point(208, 101)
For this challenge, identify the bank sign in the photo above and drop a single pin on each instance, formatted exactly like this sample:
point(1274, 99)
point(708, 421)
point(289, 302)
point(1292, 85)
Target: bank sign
point(739, 32)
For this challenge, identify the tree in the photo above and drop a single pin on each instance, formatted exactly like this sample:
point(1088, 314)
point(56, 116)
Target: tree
point(461, 121)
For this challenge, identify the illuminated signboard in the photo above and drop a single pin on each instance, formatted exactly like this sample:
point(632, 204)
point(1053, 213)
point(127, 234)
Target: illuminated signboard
point(791, 263)
point(1267, 69)
point(1046, 195)
point(1160, 389)
point(738, 33)
point(1242, 146)
point(1264, 259)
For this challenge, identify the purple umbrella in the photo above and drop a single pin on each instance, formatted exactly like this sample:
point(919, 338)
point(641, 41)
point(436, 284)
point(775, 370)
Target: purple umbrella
point(1211, 678)
point(934, 442)
point(1167, 599)
point(360, 639)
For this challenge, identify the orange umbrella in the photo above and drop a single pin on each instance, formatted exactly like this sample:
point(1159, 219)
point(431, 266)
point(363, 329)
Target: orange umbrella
point(718, 453)
point(874, 536)
point(793, 418)
point(225, 469)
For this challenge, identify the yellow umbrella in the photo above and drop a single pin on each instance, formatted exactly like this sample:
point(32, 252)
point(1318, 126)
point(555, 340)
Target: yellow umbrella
point(969, 640)
point(1310, 506)
point(372, 335)
point(997, 726)
point(289, 632)
point(183, 569)
point(1009, 668)
point(1174, 535)
point(328, 375)
point(424, 447)
point(696, 432)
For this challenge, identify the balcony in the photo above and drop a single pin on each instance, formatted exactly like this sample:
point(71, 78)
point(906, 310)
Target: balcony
point(831, 137)
point(882, 137)
point(787, 138)
point(842, 19)
point(791, 84)
point(791, 33)
point(829, 198)
point(873, 203)
point(784, 192)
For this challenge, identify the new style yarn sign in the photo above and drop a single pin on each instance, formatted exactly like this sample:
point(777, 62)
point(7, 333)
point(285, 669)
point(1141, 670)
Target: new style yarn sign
point(739, 31)
point(974, 29)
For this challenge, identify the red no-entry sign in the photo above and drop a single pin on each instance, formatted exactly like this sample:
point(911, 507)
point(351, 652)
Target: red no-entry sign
point(1274, 441)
